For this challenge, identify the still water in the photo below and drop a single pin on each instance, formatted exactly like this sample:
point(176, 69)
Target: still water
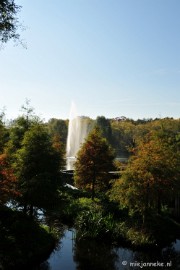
point(72, 254)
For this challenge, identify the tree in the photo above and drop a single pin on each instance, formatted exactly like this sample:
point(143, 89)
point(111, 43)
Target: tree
point(59, 148)
point(122, 136)
point(94, 161)
point(18, 128)
point(4, 134)
point(37, 168)
point(58, 127)
point(8, 181)
point(105, 126)
point(151, 176)
point(8, 20)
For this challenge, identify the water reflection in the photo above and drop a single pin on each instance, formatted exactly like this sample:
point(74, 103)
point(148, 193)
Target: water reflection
point(92, 255)
point(74, 254)
point(44, 266)
point(167, 258)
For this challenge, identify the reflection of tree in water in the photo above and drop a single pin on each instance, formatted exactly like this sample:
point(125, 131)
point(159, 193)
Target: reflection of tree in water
point(171, 255)
point(166, 256)
point(45, 266)
point(90, 255)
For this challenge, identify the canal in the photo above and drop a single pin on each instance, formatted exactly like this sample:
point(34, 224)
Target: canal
point(74, 254)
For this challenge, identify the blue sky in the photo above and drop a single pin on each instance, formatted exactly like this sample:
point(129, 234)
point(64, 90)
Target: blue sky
point(111, 57)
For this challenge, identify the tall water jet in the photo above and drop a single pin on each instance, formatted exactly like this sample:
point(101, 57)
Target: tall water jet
point(77, 132)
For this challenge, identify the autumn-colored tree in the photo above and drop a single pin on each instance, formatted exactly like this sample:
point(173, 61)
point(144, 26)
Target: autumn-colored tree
point(94, 161)
point(151, 177)
point(8, 182)
point(58, 146)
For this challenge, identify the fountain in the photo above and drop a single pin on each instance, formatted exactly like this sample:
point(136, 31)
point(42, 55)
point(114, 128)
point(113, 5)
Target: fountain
point(77, 132)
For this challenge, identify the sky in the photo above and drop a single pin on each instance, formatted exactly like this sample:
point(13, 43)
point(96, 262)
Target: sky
point(111, 58)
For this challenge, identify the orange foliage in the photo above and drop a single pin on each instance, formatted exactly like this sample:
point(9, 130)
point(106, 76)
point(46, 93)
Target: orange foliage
point(7, 180)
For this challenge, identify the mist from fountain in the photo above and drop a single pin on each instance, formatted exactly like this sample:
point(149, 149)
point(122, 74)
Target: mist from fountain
point(77, 132)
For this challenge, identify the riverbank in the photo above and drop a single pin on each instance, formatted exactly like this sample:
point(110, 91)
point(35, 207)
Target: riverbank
point(74, 253)
point(102, 219)
point(24, 242)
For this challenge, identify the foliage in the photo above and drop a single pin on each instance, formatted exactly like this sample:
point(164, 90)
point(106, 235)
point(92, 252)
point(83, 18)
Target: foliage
point(158, 231)
point(58, 127)
point(59, 149)
point(151, 176)
point(122, 136)
point(105, 127)
point(71, 202)
point(18, 128)
point(23, 241)
point(92, 223)
point(4, 133)
point(94, 161)
point(135, 234)
point(87, 203)
point(37, 167)
point(8, 181)
point(8, 20)
point(128, 133)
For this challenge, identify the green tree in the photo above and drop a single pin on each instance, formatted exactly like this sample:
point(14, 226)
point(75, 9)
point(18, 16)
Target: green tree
point(37, 168)
point(9, 23)
point(94, 161)
point(122, 136)
point(58, 127)
point(105, 126)
point(18, 128)
point(4, 133)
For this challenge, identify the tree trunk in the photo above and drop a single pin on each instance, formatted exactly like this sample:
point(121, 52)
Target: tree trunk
point(25, 209)
point(31, 210)
point(93, 185)
point(159, 202)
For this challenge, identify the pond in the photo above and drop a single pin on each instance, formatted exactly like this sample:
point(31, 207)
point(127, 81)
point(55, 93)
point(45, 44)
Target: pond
point(72, 254)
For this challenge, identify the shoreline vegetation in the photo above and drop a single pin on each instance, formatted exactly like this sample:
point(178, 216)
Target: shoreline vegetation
point(103, 220)
point(26, 242)
point(131, 208)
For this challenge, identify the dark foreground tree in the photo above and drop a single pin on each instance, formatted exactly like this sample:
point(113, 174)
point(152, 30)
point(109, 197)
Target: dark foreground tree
point(38, 165)
point(9, 23)
point(94, 161)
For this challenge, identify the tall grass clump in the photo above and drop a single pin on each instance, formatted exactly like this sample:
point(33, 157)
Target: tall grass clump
point(93, 224)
